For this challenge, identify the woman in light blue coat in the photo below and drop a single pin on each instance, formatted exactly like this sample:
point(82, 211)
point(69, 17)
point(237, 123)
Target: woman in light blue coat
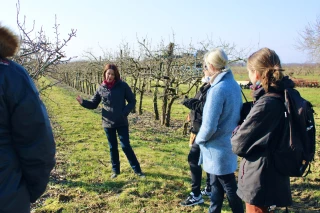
point(221, 114)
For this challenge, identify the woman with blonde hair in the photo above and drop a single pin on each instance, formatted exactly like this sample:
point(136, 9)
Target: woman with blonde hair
point(221, 114)
point(260, 185)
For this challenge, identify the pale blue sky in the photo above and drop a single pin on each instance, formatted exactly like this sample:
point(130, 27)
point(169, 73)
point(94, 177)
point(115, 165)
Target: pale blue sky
point(248, 23)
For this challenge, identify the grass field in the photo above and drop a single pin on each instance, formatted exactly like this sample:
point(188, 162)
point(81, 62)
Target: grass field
point(81, 180)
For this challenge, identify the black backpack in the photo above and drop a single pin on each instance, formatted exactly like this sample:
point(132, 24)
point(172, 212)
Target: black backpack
point(292, 158)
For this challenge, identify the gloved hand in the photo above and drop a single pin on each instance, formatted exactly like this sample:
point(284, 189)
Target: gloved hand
point(189, 102)
point(185, 100)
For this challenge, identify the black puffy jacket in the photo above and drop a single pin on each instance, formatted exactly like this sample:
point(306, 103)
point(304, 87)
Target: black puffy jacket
point(27, 146)
point(117, 103)
point(196, 105)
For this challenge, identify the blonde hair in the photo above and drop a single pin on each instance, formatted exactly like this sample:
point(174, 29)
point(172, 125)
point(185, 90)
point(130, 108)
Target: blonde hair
point(267, 63)
point(217, 58)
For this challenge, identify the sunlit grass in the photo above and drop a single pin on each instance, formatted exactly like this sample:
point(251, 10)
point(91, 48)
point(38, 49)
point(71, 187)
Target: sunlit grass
point(81, 180)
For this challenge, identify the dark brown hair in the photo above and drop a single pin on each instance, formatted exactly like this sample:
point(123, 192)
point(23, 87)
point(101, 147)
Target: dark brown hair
point(9, 42)
point(114, 68)
point(267, 63)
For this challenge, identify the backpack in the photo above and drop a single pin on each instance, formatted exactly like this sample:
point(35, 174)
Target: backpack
point(292, 157)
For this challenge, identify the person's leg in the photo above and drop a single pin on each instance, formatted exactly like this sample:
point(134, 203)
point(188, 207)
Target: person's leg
point(195, 169)
point(217, 194)
point(256, 209)
point(113, 146)
point(229, 185)
point(123, 133)
point(195, 197)
point(208, 185)
point(207, 189)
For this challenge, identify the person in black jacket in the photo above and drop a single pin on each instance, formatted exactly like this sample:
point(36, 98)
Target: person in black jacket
point(113, 92)
point(260, 185)
point(196, 106)
point(27, 147)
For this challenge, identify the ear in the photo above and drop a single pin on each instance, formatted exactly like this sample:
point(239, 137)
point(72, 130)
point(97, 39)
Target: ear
point(212, 67)
point(257, 75)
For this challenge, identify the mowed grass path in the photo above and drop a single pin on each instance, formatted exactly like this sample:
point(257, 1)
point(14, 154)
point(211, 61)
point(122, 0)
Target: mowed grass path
point(81, 179)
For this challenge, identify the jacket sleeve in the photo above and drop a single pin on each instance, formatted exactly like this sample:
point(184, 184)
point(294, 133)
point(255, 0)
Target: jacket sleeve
point(129, 96)
point(255, 132)
point(32, 135)
point(194, 104)
point(94, 102)
point(211, 114)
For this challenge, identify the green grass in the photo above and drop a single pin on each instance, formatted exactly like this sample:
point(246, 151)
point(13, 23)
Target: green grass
point(81, 179)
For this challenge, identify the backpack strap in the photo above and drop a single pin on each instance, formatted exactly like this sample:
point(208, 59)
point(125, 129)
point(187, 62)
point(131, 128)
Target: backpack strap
point(245, 98)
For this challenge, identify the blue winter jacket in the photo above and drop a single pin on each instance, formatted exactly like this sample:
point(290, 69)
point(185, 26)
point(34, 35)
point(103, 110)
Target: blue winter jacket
point(221, 114)
point(27, 147)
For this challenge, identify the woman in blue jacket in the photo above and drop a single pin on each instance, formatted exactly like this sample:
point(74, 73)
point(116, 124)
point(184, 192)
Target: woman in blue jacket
point(114, 93)
point(221, 114)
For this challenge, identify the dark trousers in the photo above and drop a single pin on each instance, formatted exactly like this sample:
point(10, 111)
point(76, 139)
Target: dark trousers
point(221, 184)
point(196, 170)
point(123, 133)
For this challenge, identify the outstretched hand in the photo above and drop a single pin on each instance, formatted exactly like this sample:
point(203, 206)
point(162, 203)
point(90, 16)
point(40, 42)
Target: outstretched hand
point(79, 99)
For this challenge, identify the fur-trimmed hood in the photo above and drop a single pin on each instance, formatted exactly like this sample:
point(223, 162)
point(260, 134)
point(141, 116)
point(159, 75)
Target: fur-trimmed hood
point(9, 42)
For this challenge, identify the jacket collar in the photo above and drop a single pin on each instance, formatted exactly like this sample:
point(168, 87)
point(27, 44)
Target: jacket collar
point(220, 77)
point(115, 83)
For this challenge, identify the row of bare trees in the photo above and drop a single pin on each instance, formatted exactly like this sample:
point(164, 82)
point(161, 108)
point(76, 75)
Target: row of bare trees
point(167, 72)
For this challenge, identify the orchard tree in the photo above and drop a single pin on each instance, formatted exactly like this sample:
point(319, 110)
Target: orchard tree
point(39, 54)
point(309, 40)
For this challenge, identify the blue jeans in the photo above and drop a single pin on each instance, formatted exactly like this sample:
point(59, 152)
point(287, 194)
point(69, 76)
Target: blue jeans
point(123, 133)
point(221, 184)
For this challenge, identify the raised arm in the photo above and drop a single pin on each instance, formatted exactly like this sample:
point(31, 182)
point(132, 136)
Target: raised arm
point(258, 126)
point(90, 104)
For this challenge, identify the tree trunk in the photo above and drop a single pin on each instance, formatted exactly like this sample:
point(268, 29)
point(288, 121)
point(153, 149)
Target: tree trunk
point(142, 89)
point(135, 81)
point(168, 115)
point(166, 90)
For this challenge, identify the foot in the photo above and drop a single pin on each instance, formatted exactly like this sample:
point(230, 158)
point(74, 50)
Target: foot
point(114, 175)
point(192, 200)
point(206, 192)
point(141, 174)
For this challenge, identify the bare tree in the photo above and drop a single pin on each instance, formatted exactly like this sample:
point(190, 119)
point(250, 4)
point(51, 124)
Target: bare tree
point(38, 54)
point(309, 40)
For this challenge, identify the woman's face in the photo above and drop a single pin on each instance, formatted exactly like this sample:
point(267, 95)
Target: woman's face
point(205, 71)
point(253, 76)
point(211, 70)
point(109, 75)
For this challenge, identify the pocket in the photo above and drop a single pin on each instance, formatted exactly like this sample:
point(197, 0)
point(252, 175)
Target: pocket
point(242, 169)
point(8, 162)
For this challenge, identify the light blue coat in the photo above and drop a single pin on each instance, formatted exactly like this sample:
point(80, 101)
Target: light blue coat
point(221, 114)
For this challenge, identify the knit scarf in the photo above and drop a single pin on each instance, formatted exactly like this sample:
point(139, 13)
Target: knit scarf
point(109, 85)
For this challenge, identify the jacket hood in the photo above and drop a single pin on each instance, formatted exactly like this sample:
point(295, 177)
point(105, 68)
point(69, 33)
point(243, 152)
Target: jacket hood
point(285, 83)
point(9, 42)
